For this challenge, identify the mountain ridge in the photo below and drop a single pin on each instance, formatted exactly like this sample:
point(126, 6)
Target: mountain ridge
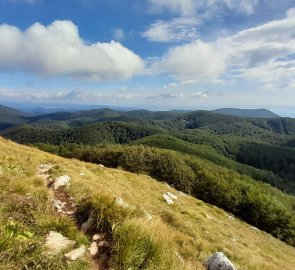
point(252, 113)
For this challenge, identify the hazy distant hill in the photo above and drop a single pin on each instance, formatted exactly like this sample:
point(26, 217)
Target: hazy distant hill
point(10, 117)
point(254, 113)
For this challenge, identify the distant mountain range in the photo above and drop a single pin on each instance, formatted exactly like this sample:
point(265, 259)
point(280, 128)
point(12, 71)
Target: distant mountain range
point(253, 113)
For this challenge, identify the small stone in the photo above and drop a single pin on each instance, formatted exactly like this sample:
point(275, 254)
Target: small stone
point(96, 237)
point(254, 228)
point(119, 201)
point(61, 181)
point(230, 217)
point(76, 253)
point(56, 242)
point(218, 261)
point(93, 249)
point(100, 165)
point(171, 195)
point(168, 199)
point(148, 216)
point(103, 243)
point(82, 174)
point(182, 194)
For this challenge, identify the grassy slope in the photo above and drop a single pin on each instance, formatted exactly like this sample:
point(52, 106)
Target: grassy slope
point(191, 228)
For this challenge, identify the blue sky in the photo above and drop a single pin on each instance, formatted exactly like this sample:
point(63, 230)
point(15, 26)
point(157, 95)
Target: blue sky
point(156, 54)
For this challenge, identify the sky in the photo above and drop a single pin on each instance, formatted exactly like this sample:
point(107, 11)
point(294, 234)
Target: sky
point(153, 54)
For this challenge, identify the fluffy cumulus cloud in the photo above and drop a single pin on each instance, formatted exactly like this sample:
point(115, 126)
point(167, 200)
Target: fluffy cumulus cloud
point(58, 50)
point(264, 53)
point(175, 30)
point(197, 60)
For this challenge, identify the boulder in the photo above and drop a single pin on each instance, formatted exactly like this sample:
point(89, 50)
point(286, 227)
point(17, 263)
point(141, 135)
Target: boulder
point(167, 199)
point(97, 237)
point(61, 181)
point(93, 249)
point(76, 253)
point(119, 201)
point(56, 242)
point(171, 195)
point(218, 261)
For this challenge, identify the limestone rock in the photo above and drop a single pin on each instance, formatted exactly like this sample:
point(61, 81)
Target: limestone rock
point(218, 261)
point(96, 237)
point(119, 201)
point(76, 253)
point(148, 216)
point(56, 242)
point(61, 181)
point(46, 167)
point(171, 195)
point(167, 199)
point(93, 249)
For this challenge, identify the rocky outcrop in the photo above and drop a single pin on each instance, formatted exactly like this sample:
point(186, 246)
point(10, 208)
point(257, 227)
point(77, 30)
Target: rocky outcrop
point(218, 261)
point(56, 242)
point(75, 254)
point(61, 182)
point(169, 198)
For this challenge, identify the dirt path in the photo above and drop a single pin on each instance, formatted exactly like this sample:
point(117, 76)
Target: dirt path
point(64, 204)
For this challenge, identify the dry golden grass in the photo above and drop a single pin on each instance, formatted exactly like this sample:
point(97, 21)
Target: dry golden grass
point(187, 232)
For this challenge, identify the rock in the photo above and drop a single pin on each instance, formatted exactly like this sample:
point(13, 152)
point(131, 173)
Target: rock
point(96, 237)
point(103, 243)
point(148, 216)
point(218, 261)
point(93, 249)
point(119, 201)
point(209, 217)
point(46, 167)
point(230, 217)
point(61, 181)
point(168, 199)
point(82, 174)
point(100, 165)
point(254, 228)
point(171, 195)
point(76, 253)
point(56, 242)
point(182, 194)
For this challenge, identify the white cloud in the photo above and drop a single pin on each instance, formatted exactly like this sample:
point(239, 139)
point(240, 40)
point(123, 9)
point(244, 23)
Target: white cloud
point(58, 50)
point(171, 86)
point(263, 54)
point(178, 29)
point(196, 7)
point(197, 60)
point(200, 94)
point(118, 34)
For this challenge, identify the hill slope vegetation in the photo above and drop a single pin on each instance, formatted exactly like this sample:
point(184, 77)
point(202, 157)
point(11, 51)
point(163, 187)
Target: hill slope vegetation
point(179, 236)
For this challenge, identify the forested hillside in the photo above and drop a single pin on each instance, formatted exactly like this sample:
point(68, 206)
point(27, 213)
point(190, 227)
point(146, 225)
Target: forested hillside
point(247, 145)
